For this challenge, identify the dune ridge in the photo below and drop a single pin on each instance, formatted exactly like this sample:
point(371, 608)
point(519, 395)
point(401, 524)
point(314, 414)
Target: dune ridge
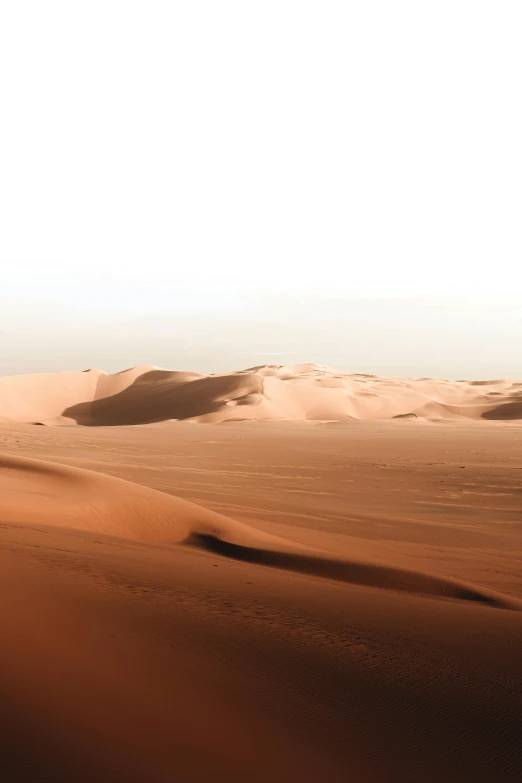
point(303, 392)
point(36, 492)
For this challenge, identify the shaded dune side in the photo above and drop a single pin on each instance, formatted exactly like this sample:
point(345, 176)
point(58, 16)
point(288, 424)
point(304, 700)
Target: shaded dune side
point(308, 392)
point(42, 397)
point(305, 392)
point(505, 412)
point(34, 492)
point(299, 393)
point(162, 395)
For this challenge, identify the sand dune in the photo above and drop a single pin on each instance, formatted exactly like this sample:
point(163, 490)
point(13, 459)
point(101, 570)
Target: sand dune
point(37, 492)
point(305, 392)
point(347, 607)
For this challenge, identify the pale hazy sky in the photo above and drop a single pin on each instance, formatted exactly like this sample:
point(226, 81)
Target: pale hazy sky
point(210, 185)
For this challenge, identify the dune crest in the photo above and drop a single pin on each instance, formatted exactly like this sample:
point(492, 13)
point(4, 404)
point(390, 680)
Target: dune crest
point(302, 392)
point(35, 492)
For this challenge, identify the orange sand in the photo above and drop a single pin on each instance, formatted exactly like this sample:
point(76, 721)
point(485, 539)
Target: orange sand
point(259, 601)
point(306, 392)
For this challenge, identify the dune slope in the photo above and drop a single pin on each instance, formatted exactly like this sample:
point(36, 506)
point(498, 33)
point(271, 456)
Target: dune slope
point(38, 492)
point(298, 392)
point(145, 637)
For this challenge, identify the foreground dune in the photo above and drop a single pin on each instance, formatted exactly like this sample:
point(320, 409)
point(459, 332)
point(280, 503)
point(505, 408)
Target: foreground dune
point(298, 392)
point(346, 608)
point(42, 493)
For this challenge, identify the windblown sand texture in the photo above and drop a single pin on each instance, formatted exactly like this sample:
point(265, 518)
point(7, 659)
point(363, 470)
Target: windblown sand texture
point(307, 392)
point(260, 601)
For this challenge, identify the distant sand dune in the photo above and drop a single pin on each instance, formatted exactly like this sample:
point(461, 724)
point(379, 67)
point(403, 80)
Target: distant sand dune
point(304, 392)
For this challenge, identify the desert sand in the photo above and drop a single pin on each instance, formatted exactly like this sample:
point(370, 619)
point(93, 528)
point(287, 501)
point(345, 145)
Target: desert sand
point(260, 600)
point(303, 392)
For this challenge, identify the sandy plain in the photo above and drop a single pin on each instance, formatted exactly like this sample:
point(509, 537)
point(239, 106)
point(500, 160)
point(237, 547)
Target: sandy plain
point(258, 600)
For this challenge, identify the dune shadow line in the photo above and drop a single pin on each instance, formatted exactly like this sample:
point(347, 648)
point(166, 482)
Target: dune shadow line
point(366, 574)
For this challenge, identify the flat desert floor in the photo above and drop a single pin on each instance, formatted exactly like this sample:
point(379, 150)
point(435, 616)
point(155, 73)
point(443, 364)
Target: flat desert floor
point(346, 606)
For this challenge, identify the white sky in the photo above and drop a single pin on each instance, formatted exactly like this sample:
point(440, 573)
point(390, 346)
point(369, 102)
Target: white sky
point(176, 156)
